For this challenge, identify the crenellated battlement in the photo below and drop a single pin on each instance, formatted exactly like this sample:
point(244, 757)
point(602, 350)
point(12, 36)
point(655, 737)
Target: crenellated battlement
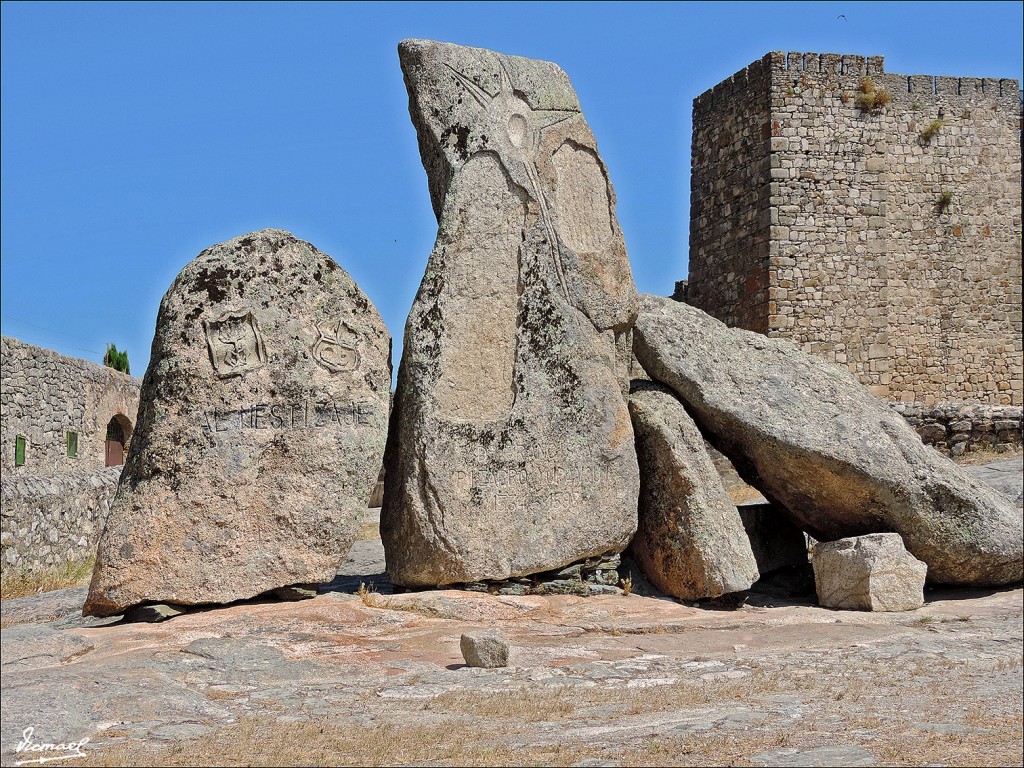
point(844, 66)
point(835, 64)
point(754, 73)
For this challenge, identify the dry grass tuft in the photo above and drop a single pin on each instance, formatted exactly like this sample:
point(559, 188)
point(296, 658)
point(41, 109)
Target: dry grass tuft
point(368, 531)
point(531, 706)
point(943, 202)
point(870, 97)
point(370, 597)
point(325, 741)
point(15, 583)
point(627, 586)
point(931, 130)
point(469, 727)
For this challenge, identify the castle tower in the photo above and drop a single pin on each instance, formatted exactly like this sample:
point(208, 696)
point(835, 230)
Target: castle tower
point(873, 218)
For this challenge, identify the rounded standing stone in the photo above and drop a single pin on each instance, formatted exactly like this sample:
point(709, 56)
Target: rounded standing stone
point(261, 427)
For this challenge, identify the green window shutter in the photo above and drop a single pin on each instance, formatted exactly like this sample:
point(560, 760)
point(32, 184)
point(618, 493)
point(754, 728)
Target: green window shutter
point(19, 451)
point(72, 445)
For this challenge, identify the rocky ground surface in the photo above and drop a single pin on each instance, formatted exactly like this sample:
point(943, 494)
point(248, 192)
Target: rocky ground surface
point(370, 677)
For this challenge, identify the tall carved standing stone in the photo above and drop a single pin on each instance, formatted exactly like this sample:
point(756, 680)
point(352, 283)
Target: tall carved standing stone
point(262, 421)
point(510, 449)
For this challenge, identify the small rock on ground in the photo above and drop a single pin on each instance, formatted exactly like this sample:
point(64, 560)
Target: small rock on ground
point(484, 649)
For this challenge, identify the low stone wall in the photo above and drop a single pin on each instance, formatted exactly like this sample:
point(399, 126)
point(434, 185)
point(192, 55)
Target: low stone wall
point(48, 520)
point(959, 428)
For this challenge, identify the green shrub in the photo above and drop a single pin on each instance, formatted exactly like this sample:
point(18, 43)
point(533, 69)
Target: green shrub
point(116, 360)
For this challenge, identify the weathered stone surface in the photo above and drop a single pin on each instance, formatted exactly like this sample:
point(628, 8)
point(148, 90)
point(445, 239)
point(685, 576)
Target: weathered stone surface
point(690, 541)
point(1006, 477)
point(510, 449)
point(868, 573)
point(31, 646)
point(394, 662)
point(816, 442)
point(791, 757)
point(45, 607)
point(484, 649)
point(775, 541)
point(260, 433)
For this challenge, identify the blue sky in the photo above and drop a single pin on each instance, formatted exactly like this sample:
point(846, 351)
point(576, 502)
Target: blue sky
point(135, 135)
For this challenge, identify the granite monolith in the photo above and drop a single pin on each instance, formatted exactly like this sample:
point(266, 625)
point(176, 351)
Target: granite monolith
point(262, 423)
point(690, 542)
point(510, 448)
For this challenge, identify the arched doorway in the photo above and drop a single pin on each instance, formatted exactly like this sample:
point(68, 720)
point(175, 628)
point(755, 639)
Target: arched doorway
point(119, 432)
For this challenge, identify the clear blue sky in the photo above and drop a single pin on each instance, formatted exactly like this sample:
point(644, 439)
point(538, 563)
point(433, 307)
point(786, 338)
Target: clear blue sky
point(135, 135)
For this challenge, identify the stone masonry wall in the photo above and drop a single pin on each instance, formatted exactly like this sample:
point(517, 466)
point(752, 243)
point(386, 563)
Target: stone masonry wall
point(44, 395)
point(729, 202)
point(48, 520)
point(828, 263)
point(892, 252)
point(955, 292)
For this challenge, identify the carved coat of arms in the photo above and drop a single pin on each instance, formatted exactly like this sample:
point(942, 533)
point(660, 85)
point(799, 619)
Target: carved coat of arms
point(336, 348)
point(235, 343)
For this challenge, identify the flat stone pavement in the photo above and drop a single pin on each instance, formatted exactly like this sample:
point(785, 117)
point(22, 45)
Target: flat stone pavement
point(607, 680)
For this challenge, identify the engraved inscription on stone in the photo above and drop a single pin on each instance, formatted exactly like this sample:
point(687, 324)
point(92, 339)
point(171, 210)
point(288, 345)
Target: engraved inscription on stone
point(235, 343)
point(335, 349)
point(308, 414)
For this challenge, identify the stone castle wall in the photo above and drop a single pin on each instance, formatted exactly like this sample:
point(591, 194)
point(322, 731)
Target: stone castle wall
point(53, 507)
point(894, 253)
point(729, 226)
point(44, 395)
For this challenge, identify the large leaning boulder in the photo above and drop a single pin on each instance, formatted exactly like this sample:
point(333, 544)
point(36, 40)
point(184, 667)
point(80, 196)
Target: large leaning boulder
point(262, 422)
point(690, 541)
point(510, 448)
point(812, 439)
point(868, 573)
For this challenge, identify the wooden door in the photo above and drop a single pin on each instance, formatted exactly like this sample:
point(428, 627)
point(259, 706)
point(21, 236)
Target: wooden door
point(114, 453)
